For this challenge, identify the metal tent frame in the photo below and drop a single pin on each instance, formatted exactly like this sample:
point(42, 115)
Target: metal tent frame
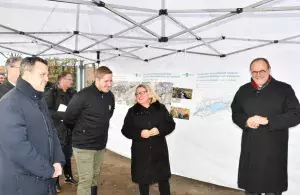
point(128, 52)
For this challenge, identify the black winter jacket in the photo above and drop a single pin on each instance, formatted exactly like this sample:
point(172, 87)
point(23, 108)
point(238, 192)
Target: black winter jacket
point(88, 116)
point(5, 87)
point(54, 97)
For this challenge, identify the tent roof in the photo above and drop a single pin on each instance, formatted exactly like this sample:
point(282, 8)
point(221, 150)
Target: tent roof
point(145, 30)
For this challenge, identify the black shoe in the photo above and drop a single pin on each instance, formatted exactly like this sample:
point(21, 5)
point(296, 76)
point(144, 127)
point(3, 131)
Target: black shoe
point(94, 190)
point(70, 180)
point(58, 188)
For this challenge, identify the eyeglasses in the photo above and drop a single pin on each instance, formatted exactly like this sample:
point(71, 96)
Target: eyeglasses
point(68, 79)
point(140, 93)
point(261, 72)
point(15, 66)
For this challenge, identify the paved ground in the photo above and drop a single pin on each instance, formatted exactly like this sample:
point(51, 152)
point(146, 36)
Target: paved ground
point(116, 180)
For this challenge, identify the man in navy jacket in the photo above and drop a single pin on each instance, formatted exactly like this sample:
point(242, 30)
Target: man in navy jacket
point(30, 152)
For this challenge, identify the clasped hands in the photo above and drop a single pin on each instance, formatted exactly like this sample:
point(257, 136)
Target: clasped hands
point(255, 121)
point(148, 133)
point(57, 170)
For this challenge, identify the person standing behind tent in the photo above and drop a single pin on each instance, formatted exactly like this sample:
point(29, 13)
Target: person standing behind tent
point(12, 66)
point(88, 115)
point(264, 109)
point(57, 98)
point(147, 123)
point(2, 78)
point(30, 152)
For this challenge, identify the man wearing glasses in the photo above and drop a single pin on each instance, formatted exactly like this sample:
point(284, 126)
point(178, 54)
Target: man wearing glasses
point(264, 109)
point(57, 98)
point(88, 115)
point(12, 67)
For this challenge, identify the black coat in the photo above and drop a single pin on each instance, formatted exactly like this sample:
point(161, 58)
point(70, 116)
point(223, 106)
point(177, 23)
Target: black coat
point(28, 143)
point(54, 97)
point(149, 157)
point(264, 151)
point(5, 87)
point(88, 115)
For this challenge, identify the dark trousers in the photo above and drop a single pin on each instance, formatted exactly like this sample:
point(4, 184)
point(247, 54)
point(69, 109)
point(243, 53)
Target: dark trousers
point(251, 193)
point(68, 152)
point(163, 186)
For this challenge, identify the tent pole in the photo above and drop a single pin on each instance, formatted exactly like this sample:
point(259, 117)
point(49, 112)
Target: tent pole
point(165, 55)
point(93, 60)
point(77, 27)
point(34, 37)
point(53, 54)
point(192, 11)
point(263, 45)
point(132, 8)
point(185, 50)
point(110, 5)
point(74, 2)
point(187, 39)
point(18, 51)
point(132, 21)
point(93, 51)
point(247, 49)
point(116, 34)
point(201, 53)
point(196, 36)
point(119, 37)
point(37, 33)
point(202, 25)
point(247, 39)
point(217, 19)
point(81, 74)
point(267, 9)
point(13, 43)
point(163, 19)
point(263, 9)
point(183, 26)
point(127, 56)
point(112, 47)
point(116, 55)
point(202, 44)
point(50, 47)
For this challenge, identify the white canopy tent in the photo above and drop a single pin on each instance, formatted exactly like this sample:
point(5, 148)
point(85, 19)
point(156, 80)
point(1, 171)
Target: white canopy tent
point(99, 31)
point(136, 36)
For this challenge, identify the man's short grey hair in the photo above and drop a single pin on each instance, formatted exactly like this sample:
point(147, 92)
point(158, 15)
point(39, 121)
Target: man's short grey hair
point(28, 63)
point(12, 60)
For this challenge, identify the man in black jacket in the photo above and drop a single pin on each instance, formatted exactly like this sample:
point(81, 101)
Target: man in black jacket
point(30, 152)
point(12, 67)
point(88, 115)
point(57, 98)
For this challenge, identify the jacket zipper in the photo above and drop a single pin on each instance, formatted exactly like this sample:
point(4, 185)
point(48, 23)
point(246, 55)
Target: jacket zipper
point(49, 135)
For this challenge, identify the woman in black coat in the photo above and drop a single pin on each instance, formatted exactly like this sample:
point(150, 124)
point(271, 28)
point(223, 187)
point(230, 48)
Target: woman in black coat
point(147, 123)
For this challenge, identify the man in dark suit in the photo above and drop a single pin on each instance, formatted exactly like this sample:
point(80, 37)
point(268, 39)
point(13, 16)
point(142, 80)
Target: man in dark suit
point(12, 66)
